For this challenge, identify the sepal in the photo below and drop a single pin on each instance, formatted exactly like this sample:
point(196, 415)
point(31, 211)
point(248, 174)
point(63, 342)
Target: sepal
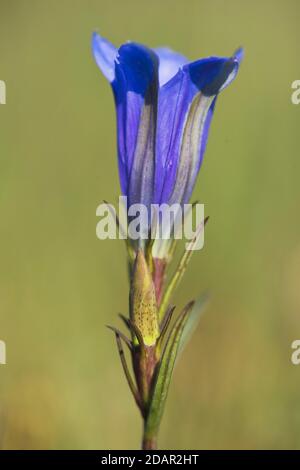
point(161, 384)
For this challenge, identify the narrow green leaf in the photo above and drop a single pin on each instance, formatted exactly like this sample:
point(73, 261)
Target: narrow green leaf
point(166, 320)
point(179, 272)
point(164, 374)
point(125, 320)
point(164, 325)
point(130, 381)
point(192, 322)
point(124, 337)
point(175, 240)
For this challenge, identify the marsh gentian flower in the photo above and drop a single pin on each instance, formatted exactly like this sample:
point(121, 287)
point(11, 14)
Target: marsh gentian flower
point(164, 108)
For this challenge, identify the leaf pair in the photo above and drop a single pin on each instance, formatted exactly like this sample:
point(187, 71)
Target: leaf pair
point(178, 337)
point(119, 338)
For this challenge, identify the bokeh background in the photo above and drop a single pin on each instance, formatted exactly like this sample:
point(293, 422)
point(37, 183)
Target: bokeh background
point(62, 387)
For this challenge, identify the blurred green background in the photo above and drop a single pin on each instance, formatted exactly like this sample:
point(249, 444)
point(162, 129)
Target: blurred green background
point(62, 387)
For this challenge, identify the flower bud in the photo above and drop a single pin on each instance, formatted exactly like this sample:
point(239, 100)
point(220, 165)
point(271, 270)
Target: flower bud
point(143, 308)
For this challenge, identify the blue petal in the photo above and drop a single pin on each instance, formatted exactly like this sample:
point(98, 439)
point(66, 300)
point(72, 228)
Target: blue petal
point(185, 109)
point(136, 88)
point(196, 159)
point(239, 54)
point(105, 55)
point(213, 74)
point(169, 63)
point(138, 65)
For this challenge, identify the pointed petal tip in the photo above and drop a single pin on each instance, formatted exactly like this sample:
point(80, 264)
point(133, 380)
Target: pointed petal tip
point(235, 61)
point(104, 53)
point(239, 54)
point(213, 74)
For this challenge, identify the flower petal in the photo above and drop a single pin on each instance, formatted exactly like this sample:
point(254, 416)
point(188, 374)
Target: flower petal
point(169, 63)
point(136, 89)
point(213, 74)
point(185, 109)
point(105, 55)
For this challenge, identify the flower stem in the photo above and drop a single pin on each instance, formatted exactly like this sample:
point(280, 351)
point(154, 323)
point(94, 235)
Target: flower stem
point(149, 443)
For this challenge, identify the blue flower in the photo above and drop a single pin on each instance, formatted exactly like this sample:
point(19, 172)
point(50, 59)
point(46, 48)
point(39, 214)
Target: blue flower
point(164, 108)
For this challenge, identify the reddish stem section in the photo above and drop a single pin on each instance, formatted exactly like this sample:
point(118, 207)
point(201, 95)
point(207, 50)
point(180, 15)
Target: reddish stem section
point(149, 444)
point(144, 364)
